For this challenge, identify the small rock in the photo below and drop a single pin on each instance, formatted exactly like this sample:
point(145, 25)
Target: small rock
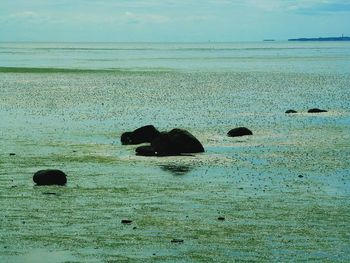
point(315, 110)
point(50, 177)
point(176, 240)
point(240, 131)
point(126, 221)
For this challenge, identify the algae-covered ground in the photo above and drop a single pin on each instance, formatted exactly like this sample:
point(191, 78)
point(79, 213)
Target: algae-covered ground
point(283, 193)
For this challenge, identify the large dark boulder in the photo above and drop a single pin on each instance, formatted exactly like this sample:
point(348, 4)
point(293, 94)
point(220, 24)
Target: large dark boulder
point(315, 110)
point(50, 177)
point(141, 135)
point(240, 131)
point(175, 142)
point(290, 111)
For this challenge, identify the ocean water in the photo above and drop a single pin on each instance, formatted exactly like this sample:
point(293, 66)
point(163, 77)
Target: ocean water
point(311, 57)
point(284, 192)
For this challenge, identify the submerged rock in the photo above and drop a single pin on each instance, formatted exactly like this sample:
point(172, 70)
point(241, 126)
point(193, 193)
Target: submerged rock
point(50, 177)
point(141, 135)
point(240, 131)
point(290, 111)
point(315, 110)
point(175, 142)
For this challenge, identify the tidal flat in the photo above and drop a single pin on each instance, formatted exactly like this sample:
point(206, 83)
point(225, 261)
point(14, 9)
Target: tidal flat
point(282, 195)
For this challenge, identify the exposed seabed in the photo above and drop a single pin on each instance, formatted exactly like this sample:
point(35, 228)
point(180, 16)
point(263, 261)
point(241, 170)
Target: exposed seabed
point(283, 192)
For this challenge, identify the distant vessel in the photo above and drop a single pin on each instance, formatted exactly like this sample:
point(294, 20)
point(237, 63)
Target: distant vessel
point(268, 40)
point(342, 38)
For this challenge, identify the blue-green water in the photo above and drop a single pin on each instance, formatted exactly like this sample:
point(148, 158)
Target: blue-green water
point(284, 192)
point(252, 56)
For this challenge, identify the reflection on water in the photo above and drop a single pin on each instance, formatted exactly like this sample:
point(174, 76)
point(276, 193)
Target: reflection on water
point(176, 169)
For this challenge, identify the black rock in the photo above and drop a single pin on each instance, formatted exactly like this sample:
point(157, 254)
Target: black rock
point(291, 111)
point(141, 135)
point(49, 193)
point(315, 110)
point(50, 177)
point(175, 142)
point(176, 240)
point(145, 151)
point(240, 131)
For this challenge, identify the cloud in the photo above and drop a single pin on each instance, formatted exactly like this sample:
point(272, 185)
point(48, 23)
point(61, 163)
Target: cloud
point(170, 20)
point(145, 18)
point(25, 14)
point(326, 8)
point(26, 17)
point(305, 6)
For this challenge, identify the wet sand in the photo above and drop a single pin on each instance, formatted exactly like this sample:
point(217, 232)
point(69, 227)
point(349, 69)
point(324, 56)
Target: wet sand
point(283, 192)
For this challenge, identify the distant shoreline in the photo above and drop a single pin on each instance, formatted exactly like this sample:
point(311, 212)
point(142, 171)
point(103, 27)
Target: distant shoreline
point(342, 38)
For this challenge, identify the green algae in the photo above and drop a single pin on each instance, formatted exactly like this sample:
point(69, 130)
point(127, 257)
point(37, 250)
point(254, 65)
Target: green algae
point(271, 214)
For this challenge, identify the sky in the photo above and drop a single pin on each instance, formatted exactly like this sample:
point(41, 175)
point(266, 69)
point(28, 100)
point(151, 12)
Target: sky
point(171, 20)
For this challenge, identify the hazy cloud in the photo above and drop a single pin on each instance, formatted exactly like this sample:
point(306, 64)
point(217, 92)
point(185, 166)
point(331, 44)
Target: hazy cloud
point(175, 20)
point(311, 6)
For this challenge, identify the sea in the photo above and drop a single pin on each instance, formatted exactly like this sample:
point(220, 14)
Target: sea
point(279, 195)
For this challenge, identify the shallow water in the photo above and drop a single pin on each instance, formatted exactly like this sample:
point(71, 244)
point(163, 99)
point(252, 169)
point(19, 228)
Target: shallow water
point(284, 192)
point(277, 56)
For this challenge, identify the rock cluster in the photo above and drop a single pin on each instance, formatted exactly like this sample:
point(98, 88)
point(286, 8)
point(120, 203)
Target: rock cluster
point(174, 142)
